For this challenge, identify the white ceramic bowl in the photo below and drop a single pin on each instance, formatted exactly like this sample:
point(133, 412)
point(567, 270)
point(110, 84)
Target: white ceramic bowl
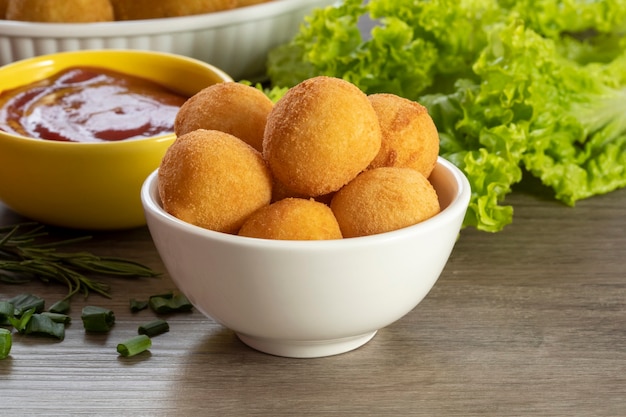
point(309, 298)
point(237, 41)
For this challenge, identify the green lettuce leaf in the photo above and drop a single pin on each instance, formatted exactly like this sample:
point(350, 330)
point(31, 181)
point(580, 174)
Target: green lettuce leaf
point(576, 139)
point(518, 85)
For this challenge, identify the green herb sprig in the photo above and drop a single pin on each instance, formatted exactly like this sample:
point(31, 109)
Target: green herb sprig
point(23, 257)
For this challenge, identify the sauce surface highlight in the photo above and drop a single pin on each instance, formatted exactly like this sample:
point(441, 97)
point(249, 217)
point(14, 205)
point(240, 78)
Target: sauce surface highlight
point(89, 104)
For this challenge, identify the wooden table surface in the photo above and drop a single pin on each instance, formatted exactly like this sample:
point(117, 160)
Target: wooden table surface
point(530, 321)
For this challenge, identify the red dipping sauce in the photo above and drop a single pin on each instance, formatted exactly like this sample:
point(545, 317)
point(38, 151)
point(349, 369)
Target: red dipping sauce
point(88, 104)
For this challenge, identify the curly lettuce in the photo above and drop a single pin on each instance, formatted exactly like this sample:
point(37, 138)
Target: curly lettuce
point(514, 86)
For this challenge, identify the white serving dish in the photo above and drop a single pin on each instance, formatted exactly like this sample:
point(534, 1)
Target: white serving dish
point(236, 41)
point(309, 298)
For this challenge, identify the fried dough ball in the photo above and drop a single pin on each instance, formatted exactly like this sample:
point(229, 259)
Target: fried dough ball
point(213, 180)
point(409, 135)
point(384, 199)
point(292, 219)
point(320, 135)
point(156, 9)
point(230, 107)
point(67, 11)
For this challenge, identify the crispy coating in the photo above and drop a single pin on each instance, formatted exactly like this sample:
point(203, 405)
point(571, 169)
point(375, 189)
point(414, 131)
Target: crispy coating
point(156, 9)
point(292, 219)
point(66, 11)
point(320, 135)
point(409, 135)
point(384, 199)
point(230, 107)
point(213, 180)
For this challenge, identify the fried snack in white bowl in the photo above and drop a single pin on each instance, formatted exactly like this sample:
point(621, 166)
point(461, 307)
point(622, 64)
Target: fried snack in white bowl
point(213, 180)
point(320, 135)
point(384, 199)
point(309, 298)
point(235, 108)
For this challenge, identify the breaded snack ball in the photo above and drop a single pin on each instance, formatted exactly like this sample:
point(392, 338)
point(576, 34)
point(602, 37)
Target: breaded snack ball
point(66, 11)
point(384, 199)
point(409, 135)
point(213, 180)
point(156, 9)
point(230, 107)
point(292, 219)
point(320, 135)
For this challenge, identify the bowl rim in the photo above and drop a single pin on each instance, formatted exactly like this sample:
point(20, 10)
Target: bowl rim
point(41, 60)
point(225, 18)
point(457, 207)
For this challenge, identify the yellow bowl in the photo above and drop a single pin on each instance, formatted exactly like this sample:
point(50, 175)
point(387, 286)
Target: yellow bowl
point(92, 186)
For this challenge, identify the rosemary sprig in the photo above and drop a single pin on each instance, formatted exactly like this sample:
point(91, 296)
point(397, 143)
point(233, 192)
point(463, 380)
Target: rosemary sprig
point(23, 258)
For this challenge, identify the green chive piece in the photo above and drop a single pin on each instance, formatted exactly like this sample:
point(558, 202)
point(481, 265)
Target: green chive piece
point(159, 304)
point(136, 305)
point(6, 340)
point(61, 307)
point(181, 303)
point(57, 317)
point(20, 322)
point(154, 328)
point(43, 325)
point(97, 319)
point(134, 345)
point(6, 310)
point(169, 303)
point(24, 302)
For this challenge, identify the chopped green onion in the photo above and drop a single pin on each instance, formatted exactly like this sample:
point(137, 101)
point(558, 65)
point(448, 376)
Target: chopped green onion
point(97, 319)
point(43, 325)
point(61, 307)
point(167, 303)
point(137, 305)
point(154, 328)
point(6, 340)
point(57, 317)
point(134, 345)
point(20, 322)
point(6, 310)
point(24, 302)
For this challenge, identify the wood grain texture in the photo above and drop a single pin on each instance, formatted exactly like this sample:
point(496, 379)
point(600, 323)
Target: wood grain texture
point(530, 321)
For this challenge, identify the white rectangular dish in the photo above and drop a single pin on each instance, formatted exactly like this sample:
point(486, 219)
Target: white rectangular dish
point(236, 41)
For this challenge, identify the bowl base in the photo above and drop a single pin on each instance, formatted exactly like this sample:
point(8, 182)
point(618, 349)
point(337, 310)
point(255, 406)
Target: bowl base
point(306, 349)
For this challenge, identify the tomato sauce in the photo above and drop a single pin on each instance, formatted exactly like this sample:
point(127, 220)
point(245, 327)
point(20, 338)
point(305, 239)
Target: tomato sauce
point(89, 104)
